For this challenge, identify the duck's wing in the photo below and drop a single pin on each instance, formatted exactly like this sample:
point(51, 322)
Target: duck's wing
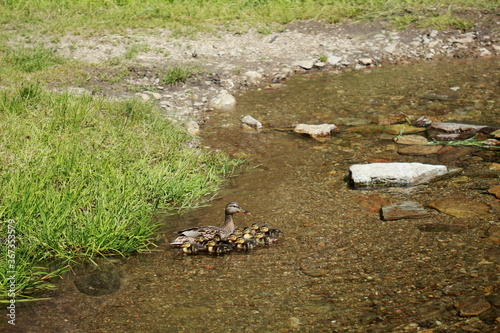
point(181, 239)
point(194, 232)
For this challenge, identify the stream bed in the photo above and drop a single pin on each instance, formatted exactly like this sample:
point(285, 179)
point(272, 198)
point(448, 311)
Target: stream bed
point(339, 266)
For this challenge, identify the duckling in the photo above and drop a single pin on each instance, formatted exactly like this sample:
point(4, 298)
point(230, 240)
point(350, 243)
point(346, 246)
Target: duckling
point(211, 246)
point(272, 234)
point(255, 228)
point(232, 239)
point(260, 238)
point(209, 231)
point(189, 248)
point(247, 233)
point(245, 244)
point(238, 232)
point(223, 248)
point(200, 243)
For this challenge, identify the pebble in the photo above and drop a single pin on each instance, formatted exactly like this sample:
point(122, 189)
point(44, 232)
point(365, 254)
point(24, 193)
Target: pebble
point(495, 190)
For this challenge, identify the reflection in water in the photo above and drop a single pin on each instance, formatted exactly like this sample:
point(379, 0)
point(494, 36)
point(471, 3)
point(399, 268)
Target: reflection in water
point(340, 267)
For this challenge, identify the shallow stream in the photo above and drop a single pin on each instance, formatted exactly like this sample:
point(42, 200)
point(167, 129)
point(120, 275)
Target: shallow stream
point(340, 267)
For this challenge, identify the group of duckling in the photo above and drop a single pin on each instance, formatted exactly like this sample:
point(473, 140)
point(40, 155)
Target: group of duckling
point(240, 240)
point(225, 239)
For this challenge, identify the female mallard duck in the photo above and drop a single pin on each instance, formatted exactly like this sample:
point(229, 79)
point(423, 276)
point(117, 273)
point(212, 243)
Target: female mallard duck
point(209, 231)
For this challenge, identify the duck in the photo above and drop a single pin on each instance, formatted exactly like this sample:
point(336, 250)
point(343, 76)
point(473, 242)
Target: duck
point(255, 228)
point(209, 231)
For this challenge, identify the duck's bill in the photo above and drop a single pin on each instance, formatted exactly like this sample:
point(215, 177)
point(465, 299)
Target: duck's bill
point(245, 212)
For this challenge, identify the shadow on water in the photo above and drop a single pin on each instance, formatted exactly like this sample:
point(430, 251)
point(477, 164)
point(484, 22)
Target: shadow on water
point(340, 267)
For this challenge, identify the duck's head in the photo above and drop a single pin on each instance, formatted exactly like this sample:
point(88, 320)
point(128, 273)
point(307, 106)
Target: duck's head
point(259, 235)
point(247, 230)
point(234, 207)
point(264, 228)
point(186, 245)
point(232, 237)
point(238, 232)
point(240, 240)
point(217, 238)
point(200, 238)
point(211, 242)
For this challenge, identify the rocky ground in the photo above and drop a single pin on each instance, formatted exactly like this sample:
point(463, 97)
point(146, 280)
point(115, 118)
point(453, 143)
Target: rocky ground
point(231, 61)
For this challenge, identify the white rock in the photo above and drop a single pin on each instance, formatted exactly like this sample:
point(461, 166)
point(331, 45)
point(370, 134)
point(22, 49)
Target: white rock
point(365, 61)
point(395, 174)
point(253, 76)
point(323, 130)
point(192, 127)
point(305, 64)
point(334, 60)
point(484, 52)
point(144, 97)
point(223, 101)
point(250, 121)
point(391, 47)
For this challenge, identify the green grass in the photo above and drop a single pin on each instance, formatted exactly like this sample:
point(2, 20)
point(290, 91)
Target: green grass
point(83, 176)
point(178, 74)
point(96, 17)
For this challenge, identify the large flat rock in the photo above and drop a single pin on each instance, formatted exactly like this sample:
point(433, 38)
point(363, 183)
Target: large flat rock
point(394, 174)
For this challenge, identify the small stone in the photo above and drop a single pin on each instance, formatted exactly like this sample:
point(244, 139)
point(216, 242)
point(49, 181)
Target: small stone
point(411, 140)
point(253, 76)
point(460, 207)
point(417, 150)
point(399, 129)
point(495, 190)
point(334, 60)
point(304, 64)
point(192, 128)
point(391, 48)
point(365, 61)
point(223, 101)
point(403, 210)
point(472, 306)
point(144, 97)
point(251, 122)
point(316, 131)
point(493, 234)
point(422, 121)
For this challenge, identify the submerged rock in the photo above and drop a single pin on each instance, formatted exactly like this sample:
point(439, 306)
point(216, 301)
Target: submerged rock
point(422, 121)
point(99, 283)
point(419, 150)
point(411, 140)
point(394, 174)
point(455, 131)
point(460, 207)
point(472, 306)
point(404, 210)
point(250, 122)
point(318, 132)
